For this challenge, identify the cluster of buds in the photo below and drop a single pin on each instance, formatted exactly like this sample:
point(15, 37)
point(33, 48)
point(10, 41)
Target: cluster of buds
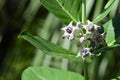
point(88, 33)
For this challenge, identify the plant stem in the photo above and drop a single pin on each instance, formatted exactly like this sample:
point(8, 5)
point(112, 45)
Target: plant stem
point(86, 70)
point(84, 19)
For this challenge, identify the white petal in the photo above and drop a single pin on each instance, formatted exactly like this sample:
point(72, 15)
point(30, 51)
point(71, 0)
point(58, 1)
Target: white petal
point(103, 34)
point(96, 27)
point(70, 24)
point(64, 28)
point(78, 55)
point(71, 37)
point(65, 35)
point(82, 39)
point(90, 23)
point(88, 49)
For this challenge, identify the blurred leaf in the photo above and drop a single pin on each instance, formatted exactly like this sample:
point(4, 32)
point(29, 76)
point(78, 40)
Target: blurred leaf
point(112, 28)
point(45, 73)
point(66, 10)
point(118, 78)
point(104, 13)
point(109, 3)
point(49, 48)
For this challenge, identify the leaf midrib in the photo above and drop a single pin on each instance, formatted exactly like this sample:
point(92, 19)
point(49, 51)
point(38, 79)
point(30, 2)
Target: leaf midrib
point(66, 11)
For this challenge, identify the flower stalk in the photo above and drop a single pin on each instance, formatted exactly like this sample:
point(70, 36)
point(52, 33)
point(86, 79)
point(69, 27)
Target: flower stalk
point(84, 18)
point(84, 21)
point(85, 65)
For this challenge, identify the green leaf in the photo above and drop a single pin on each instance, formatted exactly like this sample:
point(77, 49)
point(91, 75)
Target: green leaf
point(109, 3)
point(110, 36)
point(66, 10)
point(105, 12)
point(112, 28)
point(49, 48)
point(118, 78)
point(45, 73)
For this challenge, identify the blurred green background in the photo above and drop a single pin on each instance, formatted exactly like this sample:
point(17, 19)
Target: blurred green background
point(17, 54)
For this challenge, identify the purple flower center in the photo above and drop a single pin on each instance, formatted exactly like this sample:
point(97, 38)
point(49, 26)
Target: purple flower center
point(69, 30)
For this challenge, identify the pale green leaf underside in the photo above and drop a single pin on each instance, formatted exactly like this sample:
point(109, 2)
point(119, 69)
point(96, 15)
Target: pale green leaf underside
point(112, 28)
point(110, 36)
point(45, 73)
point(49, 48)
point(66, 10)
point(105, 12)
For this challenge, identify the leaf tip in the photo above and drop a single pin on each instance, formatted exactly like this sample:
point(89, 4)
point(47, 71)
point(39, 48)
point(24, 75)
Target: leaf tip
point(22, 33)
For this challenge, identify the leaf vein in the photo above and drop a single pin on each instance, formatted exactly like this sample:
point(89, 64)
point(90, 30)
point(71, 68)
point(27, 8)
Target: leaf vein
point(66, 11)
point(38, 75)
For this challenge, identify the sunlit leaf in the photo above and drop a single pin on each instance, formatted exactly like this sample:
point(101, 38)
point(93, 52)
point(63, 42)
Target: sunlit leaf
point(104, 13)
point(66, 10)
point(49, 48)
point(45, 73)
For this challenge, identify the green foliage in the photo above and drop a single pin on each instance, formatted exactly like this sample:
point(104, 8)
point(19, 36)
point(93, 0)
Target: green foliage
point(70, 10)
point(45, 73)
point(49, 48)
point(112, 30)
point(108, 8)
point(66, 10)
point(16, 54)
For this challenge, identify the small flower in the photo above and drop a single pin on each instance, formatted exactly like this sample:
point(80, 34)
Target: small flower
point(99, 37)
point(82, 39)
point(99, 40)
point(84, 53)
point(69, 30)
point(91, 27)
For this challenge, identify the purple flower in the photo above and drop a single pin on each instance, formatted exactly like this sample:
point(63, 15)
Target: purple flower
point(69, 30)
point(91, 27)
point(84, 53)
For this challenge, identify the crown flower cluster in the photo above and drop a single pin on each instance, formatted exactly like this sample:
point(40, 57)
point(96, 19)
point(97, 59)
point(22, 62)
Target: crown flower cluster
point(87, 34)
